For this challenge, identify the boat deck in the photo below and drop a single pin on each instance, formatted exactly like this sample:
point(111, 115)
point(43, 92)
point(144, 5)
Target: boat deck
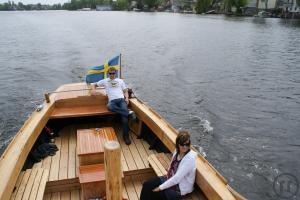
point(63, 183)
point(65, 162)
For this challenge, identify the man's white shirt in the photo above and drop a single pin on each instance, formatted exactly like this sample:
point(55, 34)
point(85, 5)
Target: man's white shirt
point(114, 88)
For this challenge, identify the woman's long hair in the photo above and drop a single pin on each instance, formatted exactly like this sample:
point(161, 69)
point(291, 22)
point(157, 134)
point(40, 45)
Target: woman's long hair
point(182, 137)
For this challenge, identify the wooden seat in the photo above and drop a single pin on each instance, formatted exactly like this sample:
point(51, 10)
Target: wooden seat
point(160, 164)
point(80, 111)
point(31, 184)
point(90, 149)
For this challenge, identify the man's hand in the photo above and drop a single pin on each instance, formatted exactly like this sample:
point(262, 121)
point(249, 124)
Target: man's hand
point(127, 101)
point(156, 189)
point(93, 90)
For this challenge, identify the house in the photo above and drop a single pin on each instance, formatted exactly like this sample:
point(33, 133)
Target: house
point(289, 6)
point(103, 7)
point(266, 4)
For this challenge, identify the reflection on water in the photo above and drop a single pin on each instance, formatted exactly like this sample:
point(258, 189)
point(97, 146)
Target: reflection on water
point(232, 82)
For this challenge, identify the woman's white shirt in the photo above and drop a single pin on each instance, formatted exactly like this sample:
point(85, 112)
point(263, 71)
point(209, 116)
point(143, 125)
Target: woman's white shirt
point(185, 174)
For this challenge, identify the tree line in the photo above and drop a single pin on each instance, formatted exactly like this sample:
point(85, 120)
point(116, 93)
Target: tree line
point(200, 6)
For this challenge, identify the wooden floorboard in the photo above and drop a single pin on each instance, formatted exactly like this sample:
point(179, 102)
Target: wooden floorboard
point(63, 165)
point(54, 168)
point(18, 183)
point(125, 149)
point(64, 155)
point(72, 153)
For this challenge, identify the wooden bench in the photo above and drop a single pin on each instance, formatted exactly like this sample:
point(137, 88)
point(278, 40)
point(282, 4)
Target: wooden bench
point(90, 144)
point(80, 111)
point(160, 164)
point(30, 184)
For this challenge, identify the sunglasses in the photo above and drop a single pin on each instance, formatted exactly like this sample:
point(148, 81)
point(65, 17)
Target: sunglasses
point(186, 144)
point(112, 73)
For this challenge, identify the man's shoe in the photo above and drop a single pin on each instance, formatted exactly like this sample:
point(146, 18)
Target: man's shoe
point(130, 112)
point(132, 115)
point(127, 140)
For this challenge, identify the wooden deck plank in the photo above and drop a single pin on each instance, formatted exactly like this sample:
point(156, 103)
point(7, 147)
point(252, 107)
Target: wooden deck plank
point(123, 161)
point(75, 195)
point(66, 195)
point(146, 147)
point(36, 184)
point(125, 149)
point(47, 196)
point(37, 165)
point(55, 196)
point(47, 162)
point(72, 154)
point(18, 183)
point(163, 161)
point(30, 183)
point(54, 169)
point(155, 166)
point(125, 194)
point(42, 186)
point(23, 184)
point(137, 157)
point(64, 155)
point(141, 151)
point(130, 188)
point(137, 185)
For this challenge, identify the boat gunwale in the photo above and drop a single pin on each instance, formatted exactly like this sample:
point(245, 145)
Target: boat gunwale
point(31, 129)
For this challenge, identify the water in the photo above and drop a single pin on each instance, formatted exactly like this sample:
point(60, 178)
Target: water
point(232, 82)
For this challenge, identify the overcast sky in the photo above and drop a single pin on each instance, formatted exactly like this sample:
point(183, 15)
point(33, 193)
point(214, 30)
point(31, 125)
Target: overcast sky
point(36, 1)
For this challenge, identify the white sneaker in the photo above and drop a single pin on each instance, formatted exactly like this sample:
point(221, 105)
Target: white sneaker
point(130, 112)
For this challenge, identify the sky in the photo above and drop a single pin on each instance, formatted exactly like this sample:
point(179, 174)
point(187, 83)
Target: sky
point(36, 1)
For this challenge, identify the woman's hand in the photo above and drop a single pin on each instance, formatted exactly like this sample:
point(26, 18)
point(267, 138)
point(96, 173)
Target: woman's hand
point(156, 189)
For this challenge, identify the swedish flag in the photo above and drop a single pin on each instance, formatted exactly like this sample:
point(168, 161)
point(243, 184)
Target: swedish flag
point(98, 73)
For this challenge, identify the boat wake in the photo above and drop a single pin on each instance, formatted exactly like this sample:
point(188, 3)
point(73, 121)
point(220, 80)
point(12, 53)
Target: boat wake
point(203, 123)
point(202, 134)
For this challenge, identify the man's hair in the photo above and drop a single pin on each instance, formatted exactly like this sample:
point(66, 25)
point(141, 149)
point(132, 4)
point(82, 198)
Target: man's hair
point(182, 137)
point(112, 69)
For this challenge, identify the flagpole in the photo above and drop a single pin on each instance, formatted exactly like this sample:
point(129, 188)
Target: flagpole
point(120, 66)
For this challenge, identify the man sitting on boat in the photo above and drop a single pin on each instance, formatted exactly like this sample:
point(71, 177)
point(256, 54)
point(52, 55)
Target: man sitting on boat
point(118, 100)
point(181, 174)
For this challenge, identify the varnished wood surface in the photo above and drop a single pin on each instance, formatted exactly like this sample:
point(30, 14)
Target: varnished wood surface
point(113, 170)
point(80, 111)
point(63, 164)
point(91, 173)
point(92, 140)
point(133, 157)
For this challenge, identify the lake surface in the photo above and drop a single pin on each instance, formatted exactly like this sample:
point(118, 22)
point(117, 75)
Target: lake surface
point(234, 83)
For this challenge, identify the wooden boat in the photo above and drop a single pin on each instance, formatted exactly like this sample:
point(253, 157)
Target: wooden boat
point(73, 108)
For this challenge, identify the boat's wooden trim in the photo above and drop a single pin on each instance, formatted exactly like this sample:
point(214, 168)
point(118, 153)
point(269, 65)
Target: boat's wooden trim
point(12, 160)
point(213, 184)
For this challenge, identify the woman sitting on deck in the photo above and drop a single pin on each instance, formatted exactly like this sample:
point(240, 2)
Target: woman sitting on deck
point(181, 174)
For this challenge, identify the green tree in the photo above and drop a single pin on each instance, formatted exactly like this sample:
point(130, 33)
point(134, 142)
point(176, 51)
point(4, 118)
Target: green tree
point(202, 6)
point(150, 3)
point(121, 5)
point(298, 3)
point(238, 4)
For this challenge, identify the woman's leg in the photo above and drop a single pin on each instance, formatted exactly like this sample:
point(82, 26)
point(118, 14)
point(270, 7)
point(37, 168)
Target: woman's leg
point(148, 186)
point(172, 194)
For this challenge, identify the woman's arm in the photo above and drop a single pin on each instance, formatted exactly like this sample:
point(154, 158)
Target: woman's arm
point(186, 166)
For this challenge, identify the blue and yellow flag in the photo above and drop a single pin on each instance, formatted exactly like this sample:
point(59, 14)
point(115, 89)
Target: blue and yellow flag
point(98, 73)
